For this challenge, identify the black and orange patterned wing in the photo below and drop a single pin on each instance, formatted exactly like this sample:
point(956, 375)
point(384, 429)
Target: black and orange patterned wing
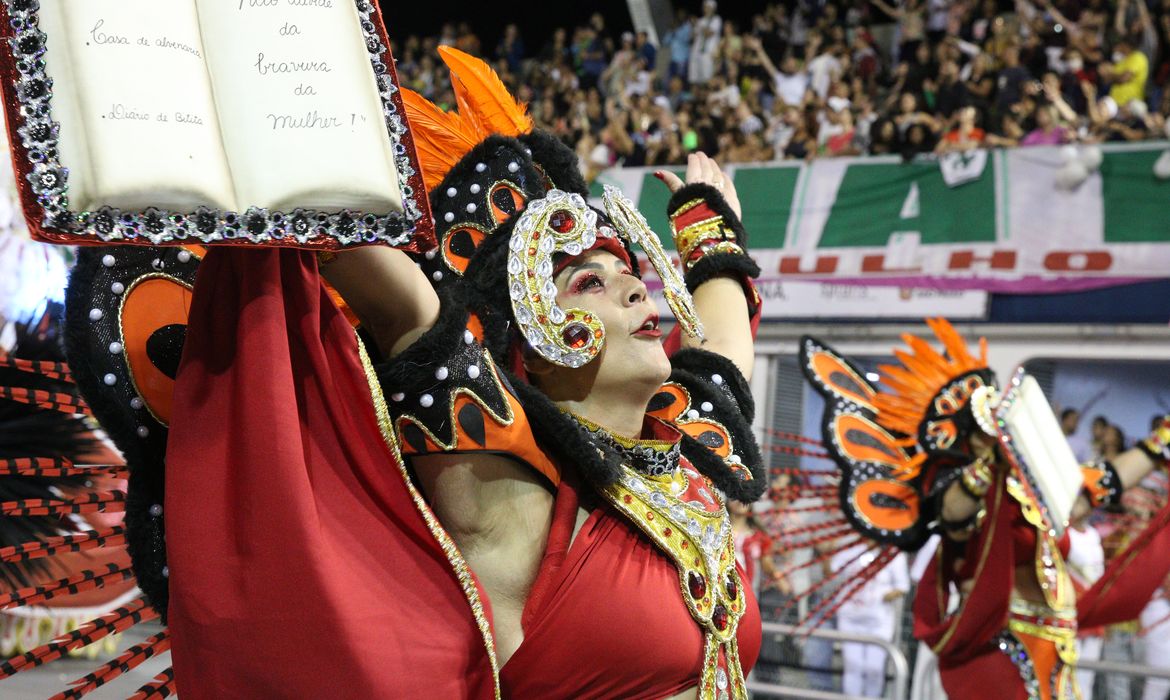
point(881, 486)
point(126, 315)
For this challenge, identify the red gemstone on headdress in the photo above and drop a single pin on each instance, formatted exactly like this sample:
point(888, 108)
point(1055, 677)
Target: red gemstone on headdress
point(576, 335)
point(732, 585)
point(719, 617)
point(697, 585)
point(562, 221)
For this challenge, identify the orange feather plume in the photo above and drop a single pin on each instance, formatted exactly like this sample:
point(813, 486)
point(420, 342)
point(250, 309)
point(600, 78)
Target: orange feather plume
point(485, 108)
point(441, 138)
point(483, 97)
point(912, 386)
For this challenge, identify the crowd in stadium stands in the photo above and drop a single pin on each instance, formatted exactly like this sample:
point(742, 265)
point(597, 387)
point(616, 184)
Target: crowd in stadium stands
point(822, 78)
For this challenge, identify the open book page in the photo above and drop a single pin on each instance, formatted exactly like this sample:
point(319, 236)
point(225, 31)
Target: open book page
point(145, 102)
point(66, 110)
point(296, 94)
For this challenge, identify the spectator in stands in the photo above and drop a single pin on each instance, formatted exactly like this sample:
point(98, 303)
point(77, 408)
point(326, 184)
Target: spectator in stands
point(1011, 80)
point(965, 136)
point(511, 48)
point(1097, 430)
point(790, 82)
point(1048, 131)
point(911, 32)
point(1070, 422)
point(753, 548)
point(707, 32)
point(871, 611)
point(1086, 564)
point(813, 82)
point(678, 41)
point(1112, 442)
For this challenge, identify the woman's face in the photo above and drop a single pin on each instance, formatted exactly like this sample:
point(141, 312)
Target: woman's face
point(603, 285)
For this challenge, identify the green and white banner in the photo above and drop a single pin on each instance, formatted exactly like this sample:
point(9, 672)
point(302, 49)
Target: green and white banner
point(1004, 224)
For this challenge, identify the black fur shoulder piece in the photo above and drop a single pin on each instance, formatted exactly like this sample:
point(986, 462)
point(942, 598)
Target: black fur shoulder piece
point(717, 371)
point(708, 399)
point(422, 383)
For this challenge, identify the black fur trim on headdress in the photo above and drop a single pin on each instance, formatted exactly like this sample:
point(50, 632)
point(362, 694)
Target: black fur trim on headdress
point(557, 160)
point(565, 439)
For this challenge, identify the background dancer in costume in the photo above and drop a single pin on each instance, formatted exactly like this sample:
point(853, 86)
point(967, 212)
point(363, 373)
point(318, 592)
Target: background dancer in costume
point(913, 454)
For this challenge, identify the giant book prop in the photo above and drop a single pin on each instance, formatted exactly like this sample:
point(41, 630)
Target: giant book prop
point(276, 122)
point(1030, 437)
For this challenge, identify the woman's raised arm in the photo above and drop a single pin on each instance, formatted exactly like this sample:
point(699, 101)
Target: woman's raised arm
point(719, 293)
point(387, 291)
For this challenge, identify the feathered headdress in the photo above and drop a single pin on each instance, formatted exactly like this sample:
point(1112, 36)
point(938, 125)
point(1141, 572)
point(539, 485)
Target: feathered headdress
point(485, 108)
point(928, 390)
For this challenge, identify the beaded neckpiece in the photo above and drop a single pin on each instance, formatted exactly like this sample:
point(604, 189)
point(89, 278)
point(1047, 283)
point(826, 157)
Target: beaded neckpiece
point(648, 457)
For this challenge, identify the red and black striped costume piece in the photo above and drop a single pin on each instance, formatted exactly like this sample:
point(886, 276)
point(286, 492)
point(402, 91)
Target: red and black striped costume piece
point(114, 622)
point(131, 658)
point(70, 585)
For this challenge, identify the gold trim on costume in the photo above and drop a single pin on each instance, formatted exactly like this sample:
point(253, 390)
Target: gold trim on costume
point(454, 557)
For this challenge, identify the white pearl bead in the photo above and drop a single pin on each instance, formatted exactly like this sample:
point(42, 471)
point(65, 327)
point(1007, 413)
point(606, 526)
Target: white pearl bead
point(156, 510)
point(480, 167)
point(692, 414)
point(449, 217)
point(117, 288)
point(451, 191)
point(430, 254)
point(426, 400)
point(184, 256)
point(706, 406)
point(143, 431)
point(108, 260)
point(513, 167)
point(95, 314)
point(136, 403)
point(471, 208)
point(115, 348)
point(110, 379)
point(717, 379)
point(437, 275)
point(441, 373)
point(473, 371)
point(468, 337)
point(475, 188)
point(397, 397)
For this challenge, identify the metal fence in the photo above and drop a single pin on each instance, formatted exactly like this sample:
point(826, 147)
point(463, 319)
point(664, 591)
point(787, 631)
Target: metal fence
point(897, 686)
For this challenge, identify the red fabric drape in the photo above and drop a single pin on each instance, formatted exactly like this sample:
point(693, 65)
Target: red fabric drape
point(1131, 577)
point(299, 565)
point(990, 554)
